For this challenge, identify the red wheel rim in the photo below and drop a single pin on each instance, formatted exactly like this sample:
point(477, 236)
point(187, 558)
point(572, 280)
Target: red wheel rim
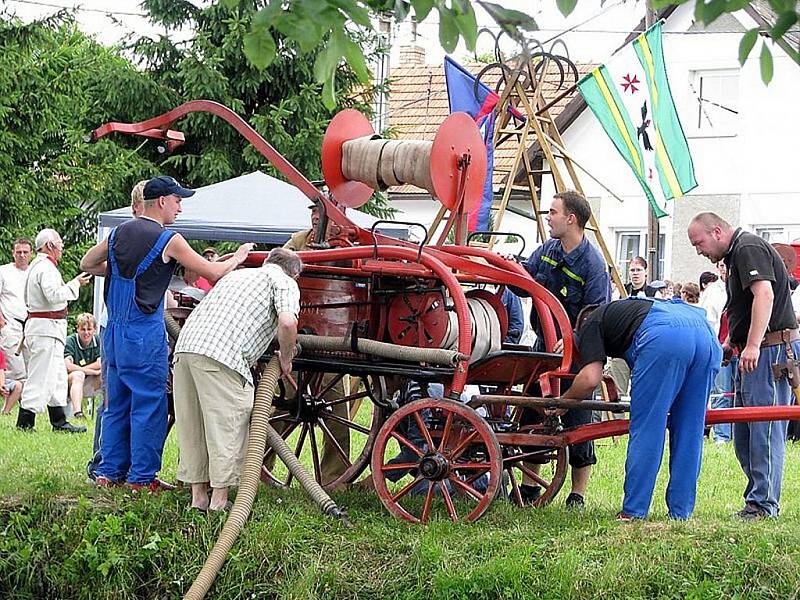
point(347, 125)
point(458, 135)
point(458, 446)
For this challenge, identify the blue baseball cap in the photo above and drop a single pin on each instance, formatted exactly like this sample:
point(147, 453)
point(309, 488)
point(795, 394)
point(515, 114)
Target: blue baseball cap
point(164, 186)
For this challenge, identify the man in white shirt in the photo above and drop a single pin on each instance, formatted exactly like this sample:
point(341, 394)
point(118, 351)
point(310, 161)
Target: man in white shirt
point(12, 306)
point(47, 295)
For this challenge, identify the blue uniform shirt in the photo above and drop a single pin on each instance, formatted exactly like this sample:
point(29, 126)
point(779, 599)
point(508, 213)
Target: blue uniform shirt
point(516, 320)
point(577, 279)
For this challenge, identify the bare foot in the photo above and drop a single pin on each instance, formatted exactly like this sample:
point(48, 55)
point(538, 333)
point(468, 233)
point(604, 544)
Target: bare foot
point(200, 496)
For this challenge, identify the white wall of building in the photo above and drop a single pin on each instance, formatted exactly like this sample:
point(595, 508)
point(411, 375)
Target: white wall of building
point(751, 161)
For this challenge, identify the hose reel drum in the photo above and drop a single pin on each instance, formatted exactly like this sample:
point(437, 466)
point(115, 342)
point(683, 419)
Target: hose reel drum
point(356, 161)
point(424, 320)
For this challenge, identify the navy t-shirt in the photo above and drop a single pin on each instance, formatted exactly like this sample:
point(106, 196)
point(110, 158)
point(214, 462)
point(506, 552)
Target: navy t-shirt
point(133, 240)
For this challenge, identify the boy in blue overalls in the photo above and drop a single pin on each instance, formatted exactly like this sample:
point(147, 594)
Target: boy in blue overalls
point(138, 260)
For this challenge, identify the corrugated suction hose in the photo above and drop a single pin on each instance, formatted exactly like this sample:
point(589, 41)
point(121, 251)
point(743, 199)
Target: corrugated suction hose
point(435, 356)
point(173, 329)
point(261, 433)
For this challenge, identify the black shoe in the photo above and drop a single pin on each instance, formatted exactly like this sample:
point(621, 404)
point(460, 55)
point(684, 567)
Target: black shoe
point(26, 419)
point(58, 419)
point(529, 494)
point(751, 512)
point(575, 501)
point(70, 428)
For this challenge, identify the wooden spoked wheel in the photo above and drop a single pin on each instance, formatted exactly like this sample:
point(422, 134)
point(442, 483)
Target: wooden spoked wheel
point(436, 456)
point(519, 461)
point(316, 423)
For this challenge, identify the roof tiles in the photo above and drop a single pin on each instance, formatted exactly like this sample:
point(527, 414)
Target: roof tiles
point(418, 104)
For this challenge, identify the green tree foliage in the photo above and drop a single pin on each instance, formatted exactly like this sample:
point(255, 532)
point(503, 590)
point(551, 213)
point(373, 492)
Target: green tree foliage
point(282, 101)
point(56, 85)
point(315, 24)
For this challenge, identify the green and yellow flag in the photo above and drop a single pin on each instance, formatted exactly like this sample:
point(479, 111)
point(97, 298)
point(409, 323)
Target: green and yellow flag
point(630, 96)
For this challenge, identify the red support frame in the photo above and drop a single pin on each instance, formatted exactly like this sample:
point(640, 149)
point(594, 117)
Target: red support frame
point(446, 262)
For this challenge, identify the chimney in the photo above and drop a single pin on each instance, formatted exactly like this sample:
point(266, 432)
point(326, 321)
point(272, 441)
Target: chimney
point(412, 55)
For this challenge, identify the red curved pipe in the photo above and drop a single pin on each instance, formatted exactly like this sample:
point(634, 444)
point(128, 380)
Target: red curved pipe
point(164, 121)
point(501, 275)
point(547, 306)
point(159, 128)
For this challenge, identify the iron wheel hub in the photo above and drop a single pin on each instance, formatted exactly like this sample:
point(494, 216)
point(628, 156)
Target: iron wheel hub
point(434, 466)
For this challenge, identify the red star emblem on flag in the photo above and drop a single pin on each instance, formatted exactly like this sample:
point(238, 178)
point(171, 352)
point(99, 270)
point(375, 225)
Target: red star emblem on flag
point(629, 83)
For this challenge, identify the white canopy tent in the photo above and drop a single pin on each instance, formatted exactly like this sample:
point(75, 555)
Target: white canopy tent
point(252, 208)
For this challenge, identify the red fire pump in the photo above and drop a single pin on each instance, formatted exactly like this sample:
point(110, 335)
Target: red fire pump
point(381, 316)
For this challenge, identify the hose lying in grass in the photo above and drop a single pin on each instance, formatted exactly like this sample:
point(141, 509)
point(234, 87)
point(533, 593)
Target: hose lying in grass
point(260, 432)
point(435, 356)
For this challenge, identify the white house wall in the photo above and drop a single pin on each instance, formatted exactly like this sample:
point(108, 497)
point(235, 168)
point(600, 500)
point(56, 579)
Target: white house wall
point(751, 176)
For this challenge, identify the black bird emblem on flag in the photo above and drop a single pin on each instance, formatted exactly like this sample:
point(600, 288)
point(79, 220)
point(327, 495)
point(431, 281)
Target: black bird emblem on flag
point(642, 129)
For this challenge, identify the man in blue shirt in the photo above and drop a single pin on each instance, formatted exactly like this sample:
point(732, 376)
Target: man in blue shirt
point(574, 272)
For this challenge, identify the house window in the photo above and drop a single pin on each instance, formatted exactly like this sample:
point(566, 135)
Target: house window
point(661, 268)
point(716, 93)
point(633, 243)
point(628, 243)
point(771, 234)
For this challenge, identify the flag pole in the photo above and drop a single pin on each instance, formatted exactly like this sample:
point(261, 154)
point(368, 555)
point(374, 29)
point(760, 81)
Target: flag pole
point(653, 226)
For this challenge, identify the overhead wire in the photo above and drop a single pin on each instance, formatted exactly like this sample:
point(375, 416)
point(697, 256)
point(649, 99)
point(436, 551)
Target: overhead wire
point(80, 8)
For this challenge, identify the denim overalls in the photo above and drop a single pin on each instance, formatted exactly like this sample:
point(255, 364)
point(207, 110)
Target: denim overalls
point(135, 355)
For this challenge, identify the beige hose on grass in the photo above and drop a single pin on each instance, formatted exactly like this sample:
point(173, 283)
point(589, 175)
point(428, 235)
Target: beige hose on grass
point(261, 432)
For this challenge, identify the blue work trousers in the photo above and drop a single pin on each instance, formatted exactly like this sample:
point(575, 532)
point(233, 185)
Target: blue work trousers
point(722, 397)
point(674, 358)
point(760, 447)
point(135, 358)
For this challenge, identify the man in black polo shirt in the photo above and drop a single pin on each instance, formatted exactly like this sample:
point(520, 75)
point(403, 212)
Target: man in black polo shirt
point(762, 326)
point(674, 356)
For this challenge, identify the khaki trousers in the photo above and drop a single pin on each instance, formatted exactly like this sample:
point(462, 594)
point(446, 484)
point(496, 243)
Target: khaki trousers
point(213, 404)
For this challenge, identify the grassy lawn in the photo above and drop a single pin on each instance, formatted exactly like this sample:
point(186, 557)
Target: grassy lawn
point(60, 538)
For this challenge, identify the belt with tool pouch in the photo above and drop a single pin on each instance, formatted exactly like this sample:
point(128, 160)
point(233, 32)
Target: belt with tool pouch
point(776, 338)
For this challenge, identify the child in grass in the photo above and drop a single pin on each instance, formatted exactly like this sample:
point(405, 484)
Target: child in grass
point(10, 390)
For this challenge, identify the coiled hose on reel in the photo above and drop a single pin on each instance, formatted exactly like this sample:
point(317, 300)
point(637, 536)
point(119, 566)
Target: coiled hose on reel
point(261, 433)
